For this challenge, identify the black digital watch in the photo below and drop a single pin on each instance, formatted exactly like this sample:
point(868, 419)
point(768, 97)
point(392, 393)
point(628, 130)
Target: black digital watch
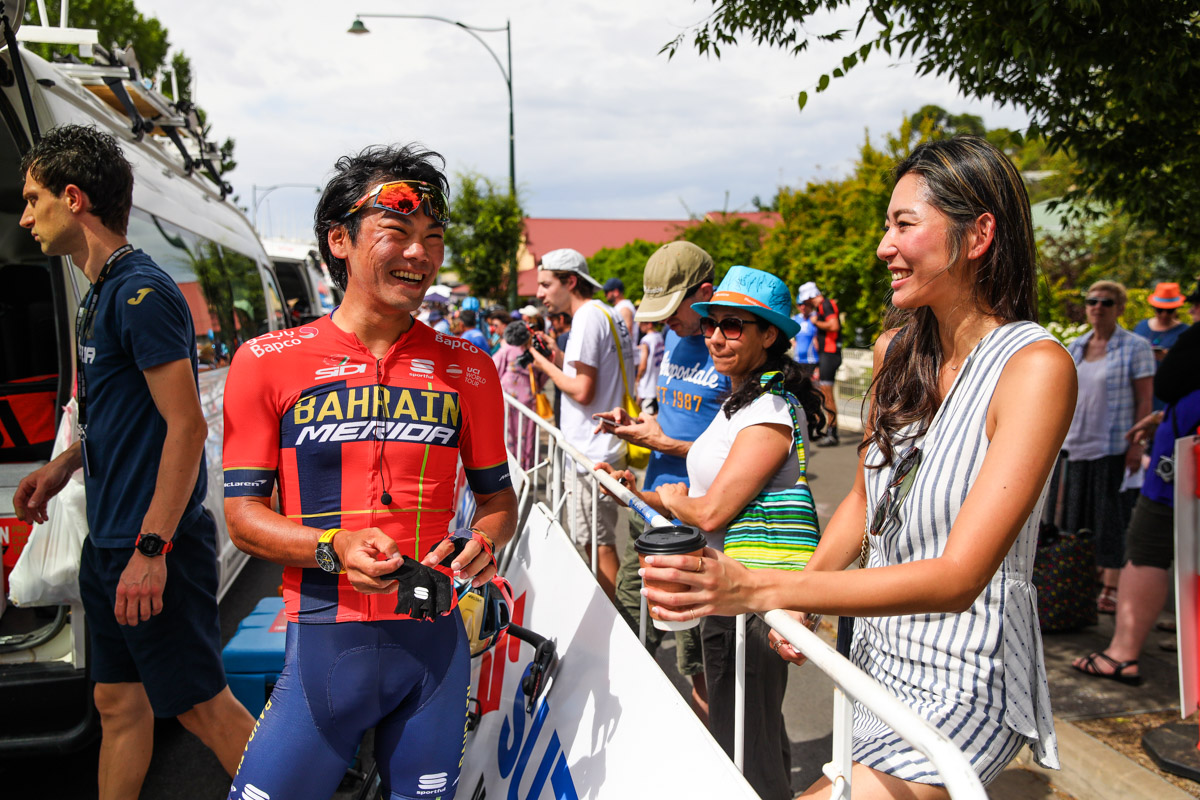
point(152, 545)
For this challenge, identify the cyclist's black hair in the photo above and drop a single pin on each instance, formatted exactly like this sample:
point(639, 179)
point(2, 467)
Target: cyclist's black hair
point(354, 175)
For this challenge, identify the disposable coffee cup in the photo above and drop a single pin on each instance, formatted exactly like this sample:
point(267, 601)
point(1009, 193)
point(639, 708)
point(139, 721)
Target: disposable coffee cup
point(670, 540)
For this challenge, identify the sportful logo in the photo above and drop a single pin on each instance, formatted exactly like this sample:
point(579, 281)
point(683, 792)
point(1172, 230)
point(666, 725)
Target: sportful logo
point(252, 792)
point(421, 593)
point(424, 366)
point(432, 783)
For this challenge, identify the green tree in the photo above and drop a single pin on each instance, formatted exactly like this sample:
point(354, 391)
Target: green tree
point(830, 231)
point(118, 23)
point(486, 224)
point(1111, 83)
point(730, 242)
point(627, 263)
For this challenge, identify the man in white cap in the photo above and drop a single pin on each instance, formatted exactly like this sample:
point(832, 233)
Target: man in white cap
point(591, 380)
point(805, 342)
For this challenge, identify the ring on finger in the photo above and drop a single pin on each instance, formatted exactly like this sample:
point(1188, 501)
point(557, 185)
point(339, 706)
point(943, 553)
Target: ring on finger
point(699, 564)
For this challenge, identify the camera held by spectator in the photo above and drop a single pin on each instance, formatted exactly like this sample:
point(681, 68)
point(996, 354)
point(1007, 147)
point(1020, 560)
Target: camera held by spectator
point(528, 336)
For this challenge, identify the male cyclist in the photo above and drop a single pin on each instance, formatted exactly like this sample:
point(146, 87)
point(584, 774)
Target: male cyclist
point(362, 418)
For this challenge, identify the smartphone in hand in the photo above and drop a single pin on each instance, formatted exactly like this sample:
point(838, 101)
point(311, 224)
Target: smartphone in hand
point(605, 422)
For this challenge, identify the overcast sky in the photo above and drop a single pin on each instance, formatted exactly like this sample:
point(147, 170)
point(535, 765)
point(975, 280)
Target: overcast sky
point(605, 126)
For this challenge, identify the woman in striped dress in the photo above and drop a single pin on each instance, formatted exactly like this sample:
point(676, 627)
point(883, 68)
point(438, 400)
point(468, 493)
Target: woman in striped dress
point(968, 412)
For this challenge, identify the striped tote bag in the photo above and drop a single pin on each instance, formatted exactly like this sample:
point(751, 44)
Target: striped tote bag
point(777, 530)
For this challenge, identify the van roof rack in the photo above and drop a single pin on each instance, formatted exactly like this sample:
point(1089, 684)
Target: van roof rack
point(115, 80)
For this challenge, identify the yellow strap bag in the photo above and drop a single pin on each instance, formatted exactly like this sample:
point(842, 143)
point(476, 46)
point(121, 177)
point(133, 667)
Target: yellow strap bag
point(638, 456)
point(542, 404)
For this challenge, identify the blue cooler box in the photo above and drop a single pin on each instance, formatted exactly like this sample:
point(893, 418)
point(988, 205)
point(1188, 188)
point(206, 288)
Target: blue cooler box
point(254, 656)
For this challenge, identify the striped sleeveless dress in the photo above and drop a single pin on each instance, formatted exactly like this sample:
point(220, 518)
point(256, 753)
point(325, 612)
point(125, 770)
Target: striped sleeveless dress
point(979, 676)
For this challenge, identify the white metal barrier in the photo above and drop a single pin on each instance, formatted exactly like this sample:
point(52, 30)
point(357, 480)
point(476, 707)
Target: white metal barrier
point(851, 682)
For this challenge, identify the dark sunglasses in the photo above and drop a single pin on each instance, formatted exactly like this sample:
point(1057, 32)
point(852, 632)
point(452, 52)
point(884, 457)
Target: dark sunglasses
point(1106, 302)
point(405, 197)
point(888, 510)
point(731, 327)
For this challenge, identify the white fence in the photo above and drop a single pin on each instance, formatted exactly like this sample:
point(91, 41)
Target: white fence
point(552, 476)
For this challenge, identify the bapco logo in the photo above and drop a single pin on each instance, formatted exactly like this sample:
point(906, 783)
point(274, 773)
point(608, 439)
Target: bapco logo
point(424, 366)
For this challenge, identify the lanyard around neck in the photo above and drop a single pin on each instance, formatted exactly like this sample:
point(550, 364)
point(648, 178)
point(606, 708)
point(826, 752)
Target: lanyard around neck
point(83, 326)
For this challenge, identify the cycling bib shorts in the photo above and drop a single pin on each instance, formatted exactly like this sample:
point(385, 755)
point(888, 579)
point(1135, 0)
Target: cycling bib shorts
point(407, 679)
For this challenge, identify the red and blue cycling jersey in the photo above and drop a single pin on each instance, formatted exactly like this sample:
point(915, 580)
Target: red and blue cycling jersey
point(312, 410)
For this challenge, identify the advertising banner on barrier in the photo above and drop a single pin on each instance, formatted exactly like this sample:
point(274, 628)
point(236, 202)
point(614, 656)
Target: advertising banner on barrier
point(1187, 568)
point(611, 724)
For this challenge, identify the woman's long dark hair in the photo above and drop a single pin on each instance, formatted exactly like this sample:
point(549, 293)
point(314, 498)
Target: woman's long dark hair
point(963, 177)
point(794, 381)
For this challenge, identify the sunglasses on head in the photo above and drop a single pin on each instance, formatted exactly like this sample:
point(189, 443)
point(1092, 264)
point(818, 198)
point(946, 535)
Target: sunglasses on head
point(1106, 302)
point(405, 197)
point(888, 510)
point(731, 327)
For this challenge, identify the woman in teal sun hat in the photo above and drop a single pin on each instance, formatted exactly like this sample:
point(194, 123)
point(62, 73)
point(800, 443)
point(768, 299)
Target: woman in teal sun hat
point(754, 445)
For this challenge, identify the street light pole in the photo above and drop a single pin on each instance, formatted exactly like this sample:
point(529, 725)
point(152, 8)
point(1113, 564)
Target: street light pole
point(266, 190)
point(358, 28)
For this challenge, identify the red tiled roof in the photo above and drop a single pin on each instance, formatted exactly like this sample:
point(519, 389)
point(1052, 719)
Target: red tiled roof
point(591, 235)
point(768, 219)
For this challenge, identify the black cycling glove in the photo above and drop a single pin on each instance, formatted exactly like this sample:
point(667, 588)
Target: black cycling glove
point(424, 592)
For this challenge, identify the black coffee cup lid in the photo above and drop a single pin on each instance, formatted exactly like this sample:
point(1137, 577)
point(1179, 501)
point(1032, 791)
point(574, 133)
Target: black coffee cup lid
point(671, 540)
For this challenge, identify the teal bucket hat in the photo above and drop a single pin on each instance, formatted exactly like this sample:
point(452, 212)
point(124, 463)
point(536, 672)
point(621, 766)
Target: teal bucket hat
point(760, 293)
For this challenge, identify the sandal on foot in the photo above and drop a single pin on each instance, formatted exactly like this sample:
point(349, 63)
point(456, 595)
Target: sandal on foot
point(1118, 669)
point(1106, 603)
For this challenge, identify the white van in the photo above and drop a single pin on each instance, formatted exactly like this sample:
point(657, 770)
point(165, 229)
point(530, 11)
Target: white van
point(308, 289)
point(185, 221)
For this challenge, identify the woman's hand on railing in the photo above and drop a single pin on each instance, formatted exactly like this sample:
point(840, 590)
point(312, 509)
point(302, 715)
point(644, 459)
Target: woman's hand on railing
point(670, 493)
point(622, 476)
point(783, 647)
point(716, 584)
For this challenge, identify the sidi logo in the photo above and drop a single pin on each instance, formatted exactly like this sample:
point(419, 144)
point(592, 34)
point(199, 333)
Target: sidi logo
point(342, 371)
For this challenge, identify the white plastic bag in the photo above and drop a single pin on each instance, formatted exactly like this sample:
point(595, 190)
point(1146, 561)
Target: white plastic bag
point(47, 573)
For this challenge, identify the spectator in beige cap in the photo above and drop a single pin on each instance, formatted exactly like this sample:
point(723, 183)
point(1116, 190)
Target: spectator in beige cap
point(689, 393)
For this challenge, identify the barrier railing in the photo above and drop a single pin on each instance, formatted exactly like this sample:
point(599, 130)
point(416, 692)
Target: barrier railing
point(852, 684)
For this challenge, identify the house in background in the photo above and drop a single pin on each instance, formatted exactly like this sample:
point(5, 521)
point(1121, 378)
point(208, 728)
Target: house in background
point(589, 236)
